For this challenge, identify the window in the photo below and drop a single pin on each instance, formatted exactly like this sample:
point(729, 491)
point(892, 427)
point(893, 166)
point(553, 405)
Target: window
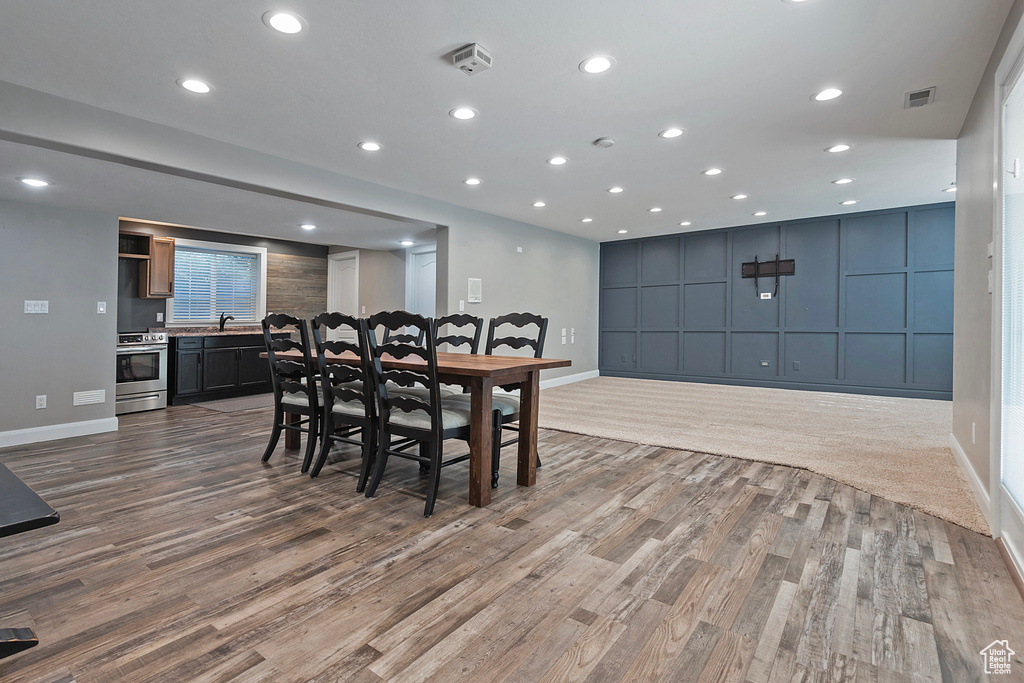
point(211, 279)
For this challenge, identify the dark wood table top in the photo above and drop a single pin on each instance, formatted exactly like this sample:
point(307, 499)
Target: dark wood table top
point(463, 364)
point(21, 508)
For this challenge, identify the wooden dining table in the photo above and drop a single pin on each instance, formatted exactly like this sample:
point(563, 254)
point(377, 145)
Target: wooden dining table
point(481, 373)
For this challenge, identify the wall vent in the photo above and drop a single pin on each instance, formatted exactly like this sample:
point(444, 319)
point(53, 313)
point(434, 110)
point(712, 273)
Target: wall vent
point(84, 398)
point(919, 98)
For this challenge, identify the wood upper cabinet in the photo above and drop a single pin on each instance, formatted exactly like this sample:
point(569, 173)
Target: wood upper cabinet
point(156, 276)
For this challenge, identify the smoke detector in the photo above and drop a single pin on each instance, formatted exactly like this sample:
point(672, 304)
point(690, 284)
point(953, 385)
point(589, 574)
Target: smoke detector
point(919, 98)
point(604, 143)
point(472, 58)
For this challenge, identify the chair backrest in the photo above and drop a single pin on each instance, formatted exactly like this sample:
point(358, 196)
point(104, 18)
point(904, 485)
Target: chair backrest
point(518, 320)
point(422, 374)
point(289, 376)
point(404, 337)
point(343, 382)
point(457, 340)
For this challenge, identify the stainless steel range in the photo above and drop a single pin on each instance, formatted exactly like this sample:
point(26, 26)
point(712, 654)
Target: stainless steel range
point(141, 372)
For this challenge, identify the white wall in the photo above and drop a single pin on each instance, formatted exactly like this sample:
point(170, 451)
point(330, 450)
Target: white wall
point(68, 258)
point(975, 214)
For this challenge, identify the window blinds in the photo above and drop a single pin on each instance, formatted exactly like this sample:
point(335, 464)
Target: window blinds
point(208, 283)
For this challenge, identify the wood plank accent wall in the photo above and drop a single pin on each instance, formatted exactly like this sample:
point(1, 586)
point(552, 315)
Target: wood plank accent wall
point(296, 285)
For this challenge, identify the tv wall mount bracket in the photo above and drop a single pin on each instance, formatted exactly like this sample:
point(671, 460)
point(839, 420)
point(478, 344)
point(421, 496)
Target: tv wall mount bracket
point(775, 268)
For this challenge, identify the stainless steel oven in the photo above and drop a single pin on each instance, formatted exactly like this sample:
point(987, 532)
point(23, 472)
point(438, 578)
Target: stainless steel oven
point(141, 372)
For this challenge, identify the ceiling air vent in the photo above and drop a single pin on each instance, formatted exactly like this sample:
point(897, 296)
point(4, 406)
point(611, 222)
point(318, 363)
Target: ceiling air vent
point(919, 98)
point(472, 58)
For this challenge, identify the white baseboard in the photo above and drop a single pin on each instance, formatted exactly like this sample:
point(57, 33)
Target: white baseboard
point(977, 487)
point(20, 437)
point(569, 379)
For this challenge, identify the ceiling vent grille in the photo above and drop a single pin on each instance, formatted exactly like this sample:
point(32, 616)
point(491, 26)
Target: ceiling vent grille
point(919, 98)
point(472, 58)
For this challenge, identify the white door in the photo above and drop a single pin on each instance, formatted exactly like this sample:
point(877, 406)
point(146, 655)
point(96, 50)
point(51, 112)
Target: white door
point(343, 288)
point(1009, 510)
point(422, 291)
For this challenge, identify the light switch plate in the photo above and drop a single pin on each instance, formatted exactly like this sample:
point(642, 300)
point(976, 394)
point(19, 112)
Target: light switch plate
point(462, 305)
point(101, 307)
point(519, 250)
point(160, 317)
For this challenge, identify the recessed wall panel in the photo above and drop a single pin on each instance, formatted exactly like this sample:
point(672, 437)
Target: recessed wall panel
point(659, 306)
point(811, 355)
point(659, 260)
point(659, 351)
point(704, 353)
point(618, 308)
point(704, 306)
point(705, 256)
point(618, 350)
point(933, 301)
point(876, 302)
point(751, 350)
point(618, 263)
point(876, 241)
point(876, 358)
point(812, 293)
point(933, 237)
point(933, 359)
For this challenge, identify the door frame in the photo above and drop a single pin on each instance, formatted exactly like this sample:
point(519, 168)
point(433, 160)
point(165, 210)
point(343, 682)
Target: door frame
point(1006, 518)
point(410, 273)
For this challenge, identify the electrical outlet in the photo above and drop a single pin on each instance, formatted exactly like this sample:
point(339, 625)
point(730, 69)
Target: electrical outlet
point(160, 317)
point(796, 365)
point(766, 364)
point(766, 295)
point(519, 250)
point(40, 401)
point(462, 305)
point(101, 307)
point(363, 309)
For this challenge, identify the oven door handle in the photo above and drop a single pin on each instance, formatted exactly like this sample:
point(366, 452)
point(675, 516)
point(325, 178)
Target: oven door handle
point(140, 349)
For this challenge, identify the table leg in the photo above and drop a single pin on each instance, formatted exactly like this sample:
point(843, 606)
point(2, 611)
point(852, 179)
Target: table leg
point(292, 438)
point(529, 405)
point(480, 423)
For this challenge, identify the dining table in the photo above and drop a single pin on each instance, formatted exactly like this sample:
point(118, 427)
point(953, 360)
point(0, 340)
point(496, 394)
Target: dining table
point(481, 373)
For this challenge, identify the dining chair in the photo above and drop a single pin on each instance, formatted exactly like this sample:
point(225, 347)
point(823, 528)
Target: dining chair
point(407, 419)
point(346, 389)
point(295, 386)
point(506, 406)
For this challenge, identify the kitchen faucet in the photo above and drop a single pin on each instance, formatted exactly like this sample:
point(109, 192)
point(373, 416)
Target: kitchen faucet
point(224, 317)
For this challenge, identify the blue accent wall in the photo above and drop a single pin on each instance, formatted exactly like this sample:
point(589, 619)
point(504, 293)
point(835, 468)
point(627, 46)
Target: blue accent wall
point(869, 310)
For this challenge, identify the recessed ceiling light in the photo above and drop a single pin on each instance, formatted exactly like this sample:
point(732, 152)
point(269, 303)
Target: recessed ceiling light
point(794, 2)
point(623, 232)
point(407, 243)
point(34, 182)
point(951, 188)
point(826, 94)
point(842, 181)
point(596, 65)
point(586, 220)
point(539, 205)
point(841, 147)
point(195, 85)
point(285, 22)
point(760, 213)
point(369, 146)
point(557, 161)
point(463, 113)
point(685, 223)
point(472, 181)
point(654, 209)
point(615, 190)
point(739, 196)
point(308, 226)
point(671, 133)
point(712, 171)
point(849, 202)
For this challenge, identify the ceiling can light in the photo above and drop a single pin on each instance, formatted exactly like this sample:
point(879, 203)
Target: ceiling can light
point(284, 22)
point(826, 94)
point(760, 213)
point(835, 149)
point(539, 205)
point(712, 171)
point(671, 133)
point(472, 181)
point(463, 113)
point(951, 188)
point(35, 182)
point(586, 220)
point(654, 209)
point(195, 85)
point(597, 64)
point(369, 146)
point(739, 196)
point(623, 232)
point(308, 226)
point(685, 223)
point(849, 202)
point(615, 190)
point(407, 243)
point(842, 181)
point(557, 161)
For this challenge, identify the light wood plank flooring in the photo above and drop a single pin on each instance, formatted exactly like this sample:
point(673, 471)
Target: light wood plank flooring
point(179, 557)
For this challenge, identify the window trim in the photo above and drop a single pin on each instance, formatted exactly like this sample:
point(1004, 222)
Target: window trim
point(261, 297)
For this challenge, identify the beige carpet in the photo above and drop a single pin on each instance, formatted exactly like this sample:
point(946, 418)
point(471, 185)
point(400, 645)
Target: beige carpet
point(891, 447)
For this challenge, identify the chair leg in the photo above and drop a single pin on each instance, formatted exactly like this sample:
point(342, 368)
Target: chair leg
point(424, 453)
point(495, 448)
point(311, 441)
point(275, 434)
point(325, 446)
point(436, 451)
point(369, 448)
point(378, 466)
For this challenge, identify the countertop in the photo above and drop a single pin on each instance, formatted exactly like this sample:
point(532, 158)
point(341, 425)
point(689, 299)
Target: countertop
point(207, 331)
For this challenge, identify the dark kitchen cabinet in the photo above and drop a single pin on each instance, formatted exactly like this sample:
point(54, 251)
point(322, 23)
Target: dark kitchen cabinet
point(219, 366)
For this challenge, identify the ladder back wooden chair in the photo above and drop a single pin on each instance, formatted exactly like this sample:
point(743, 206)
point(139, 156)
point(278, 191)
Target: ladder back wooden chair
point(409, 419)
point(295, 386)
point(347, 391)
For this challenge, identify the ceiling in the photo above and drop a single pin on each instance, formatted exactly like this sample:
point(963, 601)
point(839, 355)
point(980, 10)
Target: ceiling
point(737, 76)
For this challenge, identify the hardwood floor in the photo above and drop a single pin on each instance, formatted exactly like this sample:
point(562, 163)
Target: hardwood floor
point(179, 557)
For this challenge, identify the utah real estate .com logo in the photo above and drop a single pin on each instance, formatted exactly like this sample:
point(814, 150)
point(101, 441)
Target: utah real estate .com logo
point(997, 657)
